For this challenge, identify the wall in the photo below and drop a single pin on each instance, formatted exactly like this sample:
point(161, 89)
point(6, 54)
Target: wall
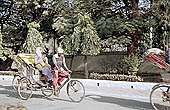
point(103, 62)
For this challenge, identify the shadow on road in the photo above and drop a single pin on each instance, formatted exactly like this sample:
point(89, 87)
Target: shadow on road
point(128, 103)
point(10, 92)
point(60, 99)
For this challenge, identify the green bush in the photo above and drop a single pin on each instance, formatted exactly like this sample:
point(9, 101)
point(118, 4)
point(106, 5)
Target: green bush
point(133, 63)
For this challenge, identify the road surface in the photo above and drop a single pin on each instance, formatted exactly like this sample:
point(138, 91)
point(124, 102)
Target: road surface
point(96, 98)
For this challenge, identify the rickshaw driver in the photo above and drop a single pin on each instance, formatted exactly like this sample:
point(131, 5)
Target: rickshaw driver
point(59, 62)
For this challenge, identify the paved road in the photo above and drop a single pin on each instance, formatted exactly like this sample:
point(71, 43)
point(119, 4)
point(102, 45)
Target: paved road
point(96, 98)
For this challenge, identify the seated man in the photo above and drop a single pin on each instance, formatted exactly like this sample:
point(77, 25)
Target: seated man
point(41, 63)
point(167, 56)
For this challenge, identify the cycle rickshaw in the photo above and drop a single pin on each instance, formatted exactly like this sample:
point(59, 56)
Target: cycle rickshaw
point(28, 77)
point(160, 93)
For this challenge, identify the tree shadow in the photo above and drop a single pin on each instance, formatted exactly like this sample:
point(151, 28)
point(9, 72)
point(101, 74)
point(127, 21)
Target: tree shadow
point(128, 103)
point(10, 92)
point(60, 99)
point(7, 90)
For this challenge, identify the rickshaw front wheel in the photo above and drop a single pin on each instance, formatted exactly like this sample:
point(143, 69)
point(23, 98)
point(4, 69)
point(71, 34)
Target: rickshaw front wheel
point(75, 90)
point(160, 97)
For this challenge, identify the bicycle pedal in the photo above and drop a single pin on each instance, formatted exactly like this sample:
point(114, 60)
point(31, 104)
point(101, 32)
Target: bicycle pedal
point(59, 84)
point(56, 91)
point(165, 99)
point(56, 94)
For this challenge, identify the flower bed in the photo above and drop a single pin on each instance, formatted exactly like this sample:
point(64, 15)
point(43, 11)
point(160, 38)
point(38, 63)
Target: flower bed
point(115, 77)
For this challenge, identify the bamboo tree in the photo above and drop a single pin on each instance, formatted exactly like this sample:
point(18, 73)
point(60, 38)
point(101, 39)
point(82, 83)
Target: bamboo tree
point(84, 39)
point(34, 38)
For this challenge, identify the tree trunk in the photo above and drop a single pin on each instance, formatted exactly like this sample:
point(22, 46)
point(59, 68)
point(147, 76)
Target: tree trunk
point(135, 4)
point(134, 15)
point(85, 67)
point(131, 47)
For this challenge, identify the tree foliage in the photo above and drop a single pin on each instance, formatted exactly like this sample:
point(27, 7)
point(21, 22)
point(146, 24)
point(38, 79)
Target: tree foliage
point(82, 26)
point(124, 26)
point(111, 20)
point(34, 39)
point(161, 17)
point(84, 39)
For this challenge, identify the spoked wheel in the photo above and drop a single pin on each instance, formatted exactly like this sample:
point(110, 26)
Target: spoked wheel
point(25, 88)
point(47, 91)
point(15, 81)
point(75, 90)
point(160, 98)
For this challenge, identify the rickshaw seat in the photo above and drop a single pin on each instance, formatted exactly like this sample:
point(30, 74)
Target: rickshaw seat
point(28, 58)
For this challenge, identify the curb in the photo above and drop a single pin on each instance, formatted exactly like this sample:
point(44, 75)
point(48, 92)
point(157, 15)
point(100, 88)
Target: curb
point(106, 83)
point(118, 84)
point(6, 77)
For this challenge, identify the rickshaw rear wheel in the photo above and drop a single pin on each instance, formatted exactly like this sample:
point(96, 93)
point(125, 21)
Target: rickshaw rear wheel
point(15, 81)
point(25, 88)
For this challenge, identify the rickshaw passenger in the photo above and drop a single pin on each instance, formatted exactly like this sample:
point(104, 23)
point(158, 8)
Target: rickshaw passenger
point(159, 56)
point(40, 59)
point(167, 56)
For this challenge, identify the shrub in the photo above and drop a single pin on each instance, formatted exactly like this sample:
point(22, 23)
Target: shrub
point(133, 63)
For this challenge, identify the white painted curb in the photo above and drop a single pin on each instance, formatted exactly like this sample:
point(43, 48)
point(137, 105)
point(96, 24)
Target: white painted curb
point(6, 77)
point(119, 84)
point(105, 83)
